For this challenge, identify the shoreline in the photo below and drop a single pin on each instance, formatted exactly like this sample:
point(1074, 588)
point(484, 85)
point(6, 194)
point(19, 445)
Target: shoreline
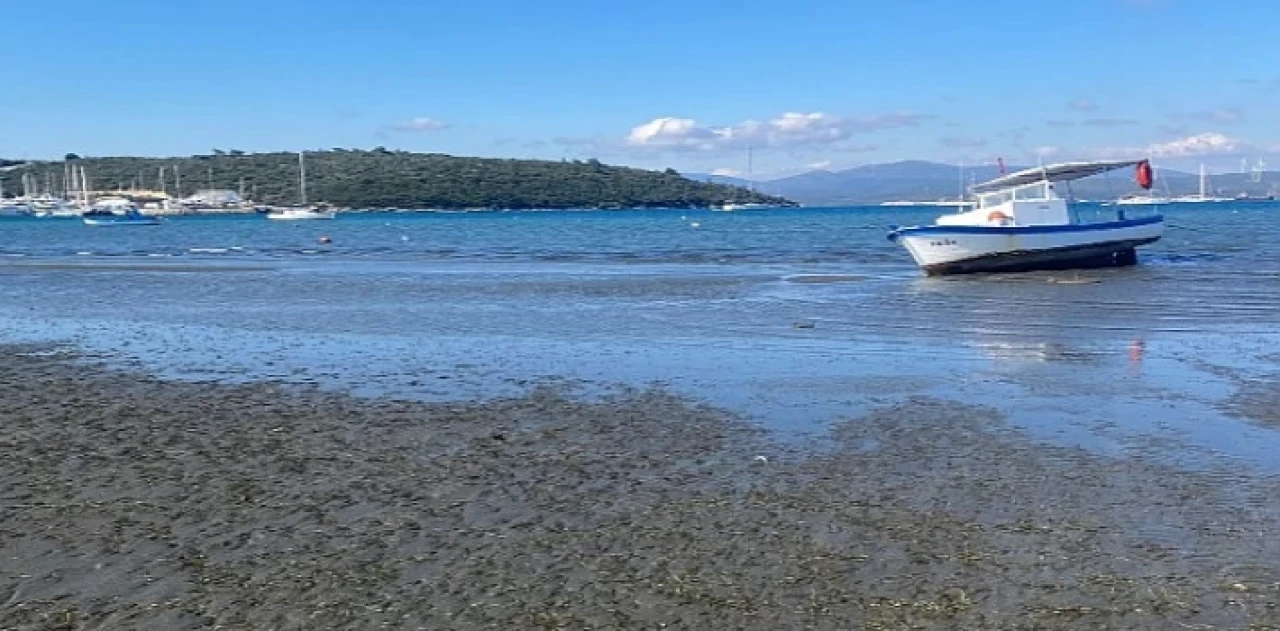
point(129, 501)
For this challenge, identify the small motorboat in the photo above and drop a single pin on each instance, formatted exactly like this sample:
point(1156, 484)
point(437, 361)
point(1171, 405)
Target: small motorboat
point(117, 211)
point(1021, 224)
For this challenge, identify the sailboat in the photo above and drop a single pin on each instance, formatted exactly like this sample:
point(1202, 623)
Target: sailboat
point(731, 206)
point(1203, 196)
point(304, 211)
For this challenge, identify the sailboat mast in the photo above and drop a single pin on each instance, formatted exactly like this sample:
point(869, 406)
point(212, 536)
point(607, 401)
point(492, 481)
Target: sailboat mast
point(1202, 182)
point(302, 177)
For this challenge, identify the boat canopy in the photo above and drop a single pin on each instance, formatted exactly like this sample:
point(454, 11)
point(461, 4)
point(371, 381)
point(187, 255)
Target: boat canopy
point(1062, 172)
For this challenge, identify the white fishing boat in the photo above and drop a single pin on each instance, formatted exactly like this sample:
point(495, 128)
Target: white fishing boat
point(304, 211)
point(117, 211)
point(1020, 223)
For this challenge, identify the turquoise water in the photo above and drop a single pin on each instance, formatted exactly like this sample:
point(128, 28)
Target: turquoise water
point(794, 318)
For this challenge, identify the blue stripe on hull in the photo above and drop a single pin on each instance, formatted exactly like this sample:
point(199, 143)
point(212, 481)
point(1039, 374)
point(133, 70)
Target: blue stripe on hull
point(1054, 229)
point(1094, 255)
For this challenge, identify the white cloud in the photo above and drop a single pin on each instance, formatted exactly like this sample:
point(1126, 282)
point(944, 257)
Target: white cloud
point(421, 123)
point(1045, 152)
point(1082, 106)
point(821, 165)
point(725, 172)
point(791, 129)
point(1206, 144)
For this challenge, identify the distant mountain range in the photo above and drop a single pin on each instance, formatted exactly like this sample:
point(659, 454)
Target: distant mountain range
point(918, 180)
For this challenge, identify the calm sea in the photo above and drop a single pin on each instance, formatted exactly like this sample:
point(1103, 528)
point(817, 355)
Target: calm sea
point(793, 318)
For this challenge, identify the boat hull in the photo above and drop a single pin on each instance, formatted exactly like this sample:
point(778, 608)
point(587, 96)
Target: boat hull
point(941, 250)
point(299, 217)
point(89, 221)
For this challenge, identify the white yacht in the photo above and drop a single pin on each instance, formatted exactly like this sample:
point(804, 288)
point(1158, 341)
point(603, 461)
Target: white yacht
point(49, 206)
point(751, 186)
point(1203, 196)
point(304, 211)
point(12, 207)
point(300, 212)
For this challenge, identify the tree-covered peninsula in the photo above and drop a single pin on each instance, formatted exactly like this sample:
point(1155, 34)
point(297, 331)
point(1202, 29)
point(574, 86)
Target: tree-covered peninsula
point(382, 178)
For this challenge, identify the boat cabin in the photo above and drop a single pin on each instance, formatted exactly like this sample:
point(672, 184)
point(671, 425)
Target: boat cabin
point(1028, 197)
point(1028, 205)
point(110, 206)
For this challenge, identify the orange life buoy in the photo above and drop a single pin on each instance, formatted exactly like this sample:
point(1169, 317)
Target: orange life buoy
point(1143, 174)
point(996, 215)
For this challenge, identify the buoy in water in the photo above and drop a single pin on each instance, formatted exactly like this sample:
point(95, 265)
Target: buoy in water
point(325, 239)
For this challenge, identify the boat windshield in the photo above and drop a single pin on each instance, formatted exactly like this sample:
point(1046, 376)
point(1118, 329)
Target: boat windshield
point(1037, 191)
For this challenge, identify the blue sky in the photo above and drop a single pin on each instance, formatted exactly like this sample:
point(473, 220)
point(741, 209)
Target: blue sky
point(658, 83)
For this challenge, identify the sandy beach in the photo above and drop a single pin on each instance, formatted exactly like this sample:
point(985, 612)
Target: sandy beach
point(128, 502)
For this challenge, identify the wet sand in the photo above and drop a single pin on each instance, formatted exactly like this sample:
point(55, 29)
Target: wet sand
point(131, 502)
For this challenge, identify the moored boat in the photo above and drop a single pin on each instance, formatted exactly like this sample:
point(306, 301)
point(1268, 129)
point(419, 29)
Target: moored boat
point(115, 211)
point(1020, 223)
point(731, 206)
point(304, 211)
point(307, 212)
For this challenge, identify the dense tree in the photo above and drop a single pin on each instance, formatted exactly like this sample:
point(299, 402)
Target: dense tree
point(399, 179)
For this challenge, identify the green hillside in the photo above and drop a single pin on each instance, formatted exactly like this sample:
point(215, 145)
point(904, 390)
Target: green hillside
point(397, 179)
